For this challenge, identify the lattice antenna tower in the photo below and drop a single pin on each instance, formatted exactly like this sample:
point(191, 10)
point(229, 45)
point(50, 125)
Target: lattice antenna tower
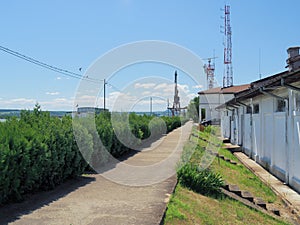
point(210, 72)
point(228, 72)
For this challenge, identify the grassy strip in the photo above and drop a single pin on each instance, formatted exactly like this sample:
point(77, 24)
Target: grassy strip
point(242, 176)
point(188, 207)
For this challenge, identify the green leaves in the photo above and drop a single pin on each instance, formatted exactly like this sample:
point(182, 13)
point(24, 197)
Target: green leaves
point(36, 152)
point(39, 152)
point(202, 181)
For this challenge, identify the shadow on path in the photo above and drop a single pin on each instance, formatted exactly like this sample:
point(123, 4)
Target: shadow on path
point(13, 211)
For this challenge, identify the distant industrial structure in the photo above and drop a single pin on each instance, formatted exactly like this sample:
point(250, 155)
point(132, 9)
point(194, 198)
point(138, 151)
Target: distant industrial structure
point(86, 111)
point(176, 109)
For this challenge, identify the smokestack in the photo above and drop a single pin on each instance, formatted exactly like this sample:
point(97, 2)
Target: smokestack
point(294, 58)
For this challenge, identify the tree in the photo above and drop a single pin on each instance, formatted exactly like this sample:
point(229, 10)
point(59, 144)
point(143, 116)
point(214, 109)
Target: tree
point(193, 109)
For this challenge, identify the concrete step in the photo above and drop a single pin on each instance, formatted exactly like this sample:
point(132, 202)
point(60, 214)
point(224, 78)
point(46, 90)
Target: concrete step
point(273, 209)
point(233, 162)
point(233, 148)
point(225, 140)
point(234, 188)
point(260, 202)
point(247, 195)
point(226, 159)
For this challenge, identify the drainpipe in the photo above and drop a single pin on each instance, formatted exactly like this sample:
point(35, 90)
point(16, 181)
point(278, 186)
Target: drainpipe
point(242, 122)
point(286, 139)
point(251, 131)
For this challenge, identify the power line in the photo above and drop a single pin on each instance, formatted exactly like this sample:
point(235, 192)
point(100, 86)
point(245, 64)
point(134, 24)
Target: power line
point(114, 87)
point(47, 66)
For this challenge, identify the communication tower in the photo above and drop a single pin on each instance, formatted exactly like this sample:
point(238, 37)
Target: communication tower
point(210, 72)
point(228, 72)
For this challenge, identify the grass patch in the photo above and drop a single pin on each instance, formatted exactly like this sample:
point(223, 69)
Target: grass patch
point(237, 174)
point(189, 207)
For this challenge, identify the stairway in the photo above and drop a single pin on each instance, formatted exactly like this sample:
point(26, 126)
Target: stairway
point(233, 191)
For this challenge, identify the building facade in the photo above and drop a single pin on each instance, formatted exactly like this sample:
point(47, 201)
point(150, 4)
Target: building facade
point(210, 99)
point(265, 121)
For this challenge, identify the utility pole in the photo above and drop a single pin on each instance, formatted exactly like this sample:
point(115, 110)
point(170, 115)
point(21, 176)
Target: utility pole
point(168, 108)
point(104, 84)
point(150, 106)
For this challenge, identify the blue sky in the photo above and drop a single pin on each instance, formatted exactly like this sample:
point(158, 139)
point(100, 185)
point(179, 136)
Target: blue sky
point(73, 34)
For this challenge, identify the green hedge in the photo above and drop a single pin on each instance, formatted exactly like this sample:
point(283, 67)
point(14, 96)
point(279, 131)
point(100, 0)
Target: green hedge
point(38, 152)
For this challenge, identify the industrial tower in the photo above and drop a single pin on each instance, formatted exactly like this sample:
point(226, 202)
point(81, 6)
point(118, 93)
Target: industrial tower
point(210, 72)
point(176, 109)
point(228, 73)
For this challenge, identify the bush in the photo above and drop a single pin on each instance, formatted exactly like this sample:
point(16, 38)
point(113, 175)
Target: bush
point(210, 130)
point(39, 152)
point(201, 181)
point(36, 152)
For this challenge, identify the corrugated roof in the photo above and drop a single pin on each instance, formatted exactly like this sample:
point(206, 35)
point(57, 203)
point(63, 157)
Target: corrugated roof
point(227, 90)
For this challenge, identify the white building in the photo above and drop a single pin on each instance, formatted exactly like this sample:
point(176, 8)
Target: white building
point(212, 98)
point(265, 121)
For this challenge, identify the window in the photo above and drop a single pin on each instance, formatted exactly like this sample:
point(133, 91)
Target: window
point(203, 114)
point(255, 108)
point(297, 101)
point(280, 105)
point(248, 109)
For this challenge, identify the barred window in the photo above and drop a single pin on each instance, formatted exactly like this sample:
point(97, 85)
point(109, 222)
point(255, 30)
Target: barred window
point(280, 105)
point(297, 101)
point(255, 108)
point(248, 109)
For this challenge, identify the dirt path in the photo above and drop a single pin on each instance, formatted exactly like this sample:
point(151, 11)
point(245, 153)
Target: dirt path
point(94, 199)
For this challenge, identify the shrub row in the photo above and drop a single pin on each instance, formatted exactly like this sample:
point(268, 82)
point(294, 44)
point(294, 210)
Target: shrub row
point(38, 152)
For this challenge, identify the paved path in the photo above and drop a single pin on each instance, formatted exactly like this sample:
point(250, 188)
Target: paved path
point(291, 197)
point(95, 200)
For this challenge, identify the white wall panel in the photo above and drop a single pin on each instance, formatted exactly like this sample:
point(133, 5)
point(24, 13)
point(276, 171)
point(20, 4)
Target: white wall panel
point(256, 137)
point(279, 155)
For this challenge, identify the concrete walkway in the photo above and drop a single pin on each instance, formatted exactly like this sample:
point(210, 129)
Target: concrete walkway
point(93, 199)
point(290, 197)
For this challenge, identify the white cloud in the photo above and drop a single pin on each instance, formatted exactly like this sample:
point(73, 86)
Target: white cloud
point(52, 93)
point(22, 100)
point(147, 93)
point(162, 86)
point(145, 85)
point(198, 86)
point(18, 103)
point(58, 78)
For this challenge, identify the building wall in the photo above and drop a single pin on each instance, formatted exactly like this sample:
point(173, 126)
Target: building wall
point(269, 137)
point(209, 102)
point(294, 144)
